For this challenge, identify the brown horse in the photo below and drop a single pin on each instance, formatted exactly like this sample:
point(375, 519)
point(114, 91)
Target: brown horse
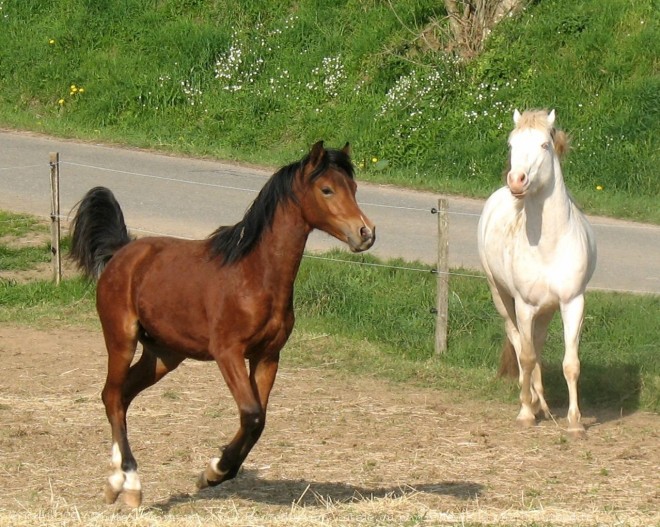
point(228, 298)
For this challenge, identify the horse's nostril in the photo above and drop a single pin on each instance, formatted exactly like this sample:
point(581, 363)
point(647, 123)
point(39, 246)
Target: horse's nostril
point(517, 178)
point(365, 233)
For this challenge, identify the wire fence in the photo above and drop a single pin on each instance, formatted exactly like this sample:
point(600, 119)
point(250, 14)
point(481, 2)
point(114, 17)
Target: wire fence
point(234, 188)
point(430, 209)
point(441, 270)
point(243, 189)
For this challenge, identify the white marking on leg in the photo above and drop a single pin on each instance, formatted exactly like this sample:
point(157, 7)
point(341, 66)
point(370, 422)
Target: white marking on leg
point(214, 465)
point(116, 456)
point(117, 478)
point(132, 481)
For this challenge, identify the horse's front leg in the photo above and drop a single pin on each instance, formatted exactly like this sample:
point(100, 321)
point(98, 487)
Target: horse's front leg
point(541, 324)
point(572, 316)
point(527, 360)
point(251, 396)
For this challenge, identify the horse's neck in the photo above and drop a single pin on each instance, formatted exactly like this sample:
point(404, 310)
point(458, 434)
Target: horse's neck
point(548, 212)
point(281, 249)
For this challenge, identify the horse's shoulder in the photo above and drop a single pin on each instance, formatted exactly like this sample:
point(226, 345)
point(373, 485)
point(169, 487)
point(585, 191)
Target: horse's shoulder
point(501, 209)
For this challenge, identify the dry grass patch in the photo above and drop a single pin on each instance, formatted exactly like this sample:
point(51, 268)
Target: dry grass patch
point(337, 450)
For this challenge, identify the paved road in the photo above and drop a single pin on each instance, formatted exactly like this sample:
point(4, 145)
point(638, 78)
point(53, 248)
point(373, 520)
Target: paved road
point(191, 197)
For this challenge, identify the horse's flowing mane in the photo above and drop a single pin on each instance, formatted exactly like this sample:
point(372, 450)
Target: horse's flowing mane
point(539, 119)
point(232, 243)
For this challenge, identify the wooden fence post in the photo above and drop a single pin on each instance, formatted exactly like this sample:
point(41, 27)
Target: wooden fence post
point(442, 270)
point(55, 216)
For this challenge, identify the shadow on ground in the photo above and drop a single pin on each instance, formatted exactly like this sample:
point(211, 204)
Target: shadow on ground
point(305, 493)
point(615, 387)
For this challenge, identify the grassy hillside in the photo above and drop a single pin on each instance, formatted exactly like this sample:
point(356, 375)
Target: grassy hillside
point(260, 81)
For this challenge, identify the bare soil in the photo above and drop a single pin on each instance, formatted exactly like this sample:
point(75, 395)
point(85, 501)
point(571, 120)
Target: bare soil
point(337, 450)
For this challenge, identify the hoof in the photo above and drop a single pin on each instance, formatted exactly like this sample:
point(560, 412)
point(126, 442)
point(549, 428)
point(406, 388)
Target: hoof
point(202, 482)
point(109, 494)
point(527, 422)
point(577, 432)
point(211, 476)
point(133, 498)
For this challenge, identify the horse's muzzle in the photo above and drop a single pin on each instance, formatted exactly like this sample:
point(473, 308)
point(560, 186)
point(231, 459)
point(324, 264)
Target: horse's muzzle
point(366, 239)
point(517, 181)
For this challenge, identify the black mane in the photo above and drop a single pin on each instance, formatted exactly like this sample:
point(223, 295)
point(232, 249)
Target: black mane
point(231, 244)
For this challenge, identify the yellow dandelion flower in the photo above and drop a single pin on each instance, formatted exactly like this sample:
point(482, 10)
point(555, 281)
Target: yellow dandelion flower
point(374, 160)
point(60, 102)
point(51, 41)
point(81, 90)
point(599, 187)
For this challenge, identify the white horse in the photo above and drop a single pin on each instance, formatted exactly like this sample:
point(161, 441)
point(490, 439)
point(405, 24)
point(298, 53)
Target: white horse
point(539, 252)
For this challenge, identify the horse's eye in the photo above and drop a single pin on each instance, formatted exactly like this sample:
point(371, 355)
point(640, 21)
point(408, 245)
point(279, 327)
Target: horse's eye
point(327, 191)
point(546, 146)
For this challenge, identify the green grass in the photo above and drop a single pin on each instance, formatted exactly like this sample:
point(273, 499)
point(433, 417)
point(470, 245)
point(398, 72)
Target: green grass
point(385, 314)
point(42, 303)
point(261, 81)
point(23, 256)
point(368, 317)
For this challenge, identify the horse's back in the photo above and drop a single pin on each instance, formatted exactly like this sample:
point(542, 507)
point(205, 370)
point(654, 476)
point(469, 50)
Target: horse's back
point(151, 257)
point(157, 283)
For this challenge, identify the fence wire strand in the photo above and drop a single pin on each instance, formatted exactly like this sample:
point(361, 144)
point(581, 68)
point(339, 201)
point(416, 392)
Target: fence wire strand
point(430, 209)
point(163, 178)
point(25, 167)
point(254, 191)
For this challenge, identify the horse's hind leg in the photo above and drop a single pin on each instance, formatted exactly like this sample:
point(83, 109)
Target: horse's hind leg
point(154, 363)
point(152, 366)
point(121, 349)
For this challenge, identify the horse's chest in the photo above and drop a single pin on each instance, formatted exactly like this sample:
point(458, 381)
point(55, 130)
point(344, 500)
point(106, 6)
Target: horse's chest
point(271, 333)
point(533, 275)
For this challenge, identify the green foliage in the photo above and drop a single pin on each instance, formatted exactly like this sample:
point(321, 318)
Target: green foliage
point(24, 256)
point(261, 81)
point(18, 225)
point(38, 302)
point(18, 258)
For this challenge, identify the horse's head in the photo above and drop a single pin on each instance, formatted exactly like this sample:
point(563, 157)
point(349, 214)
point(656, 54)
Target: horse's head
point(532, 152)
point(327, 197)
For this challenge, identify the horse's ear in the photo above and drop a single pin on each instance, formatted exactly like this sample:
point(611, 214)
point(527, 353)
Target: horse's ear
point(516, 116)
point(347, 149)
point(316, 153)
point(551, 118)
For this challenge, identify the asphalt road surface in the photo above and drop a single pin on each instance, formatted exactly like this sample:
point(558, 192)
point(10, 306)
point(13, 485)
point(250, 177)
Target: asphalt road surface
point(189, 198)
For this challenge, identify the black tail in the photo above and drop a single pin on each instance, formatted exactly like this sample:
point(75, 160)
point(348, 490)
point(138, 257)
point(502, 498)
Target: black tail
point(98, 231)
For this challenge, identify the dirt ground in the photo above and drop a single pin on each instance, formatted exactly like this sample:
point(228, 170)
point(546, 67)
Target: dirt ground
point(337, 450)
